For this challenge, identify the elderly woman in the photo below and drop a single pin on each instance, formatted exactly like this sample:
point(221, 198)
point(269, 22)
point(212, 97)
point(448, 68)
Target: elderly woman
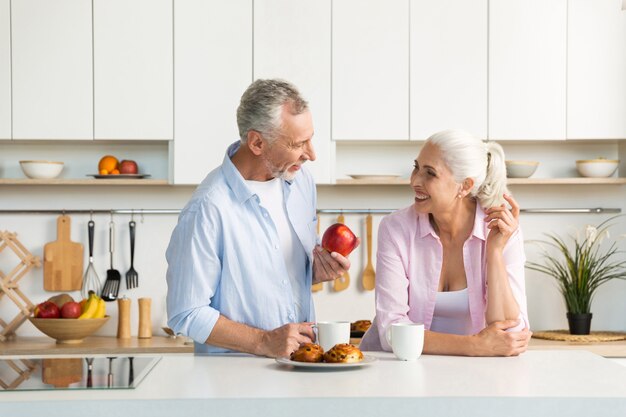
point(454, 259)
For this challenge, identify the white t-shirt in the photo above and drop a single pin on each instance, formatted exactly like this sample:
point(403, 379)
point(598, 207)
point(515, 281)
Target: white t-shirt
point(272, 199)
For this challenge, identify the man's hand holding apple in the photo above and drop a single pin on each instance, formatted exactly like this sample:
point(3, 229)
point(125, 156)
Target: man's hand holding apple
point(330, 260)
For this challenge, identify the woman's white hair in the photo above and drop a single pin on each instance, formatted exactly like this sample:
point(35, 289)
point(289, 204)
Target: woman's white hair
point(469, 157)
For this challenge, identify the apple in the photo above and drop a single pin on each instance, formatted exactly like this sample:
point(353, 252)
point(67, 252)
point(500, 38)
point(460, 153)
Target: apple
point(128, 167)
point(47, 310)
point(339, 238)
point(71, 310)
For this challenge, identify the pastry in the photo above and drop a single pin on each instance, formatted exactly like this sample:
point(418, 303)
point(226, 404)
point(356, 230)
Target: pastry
point(360, 326)
point(308, 352)
point(343, 353)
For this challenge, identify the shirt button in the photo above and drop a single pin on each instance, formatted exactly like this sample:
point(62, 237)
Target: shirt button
point(291, 317)
point(264, 214)
point(284, 282)
point(275, 246)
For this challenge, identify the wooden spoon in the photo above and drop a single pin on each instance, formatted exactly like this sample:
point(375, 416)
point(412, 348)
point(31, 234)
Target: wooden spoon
point(343, 281)
point(317, 287)
point(369, 275)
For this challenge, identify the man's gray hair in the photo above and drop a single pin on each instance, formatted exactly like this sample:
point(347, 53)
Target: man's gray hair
point(261, 105)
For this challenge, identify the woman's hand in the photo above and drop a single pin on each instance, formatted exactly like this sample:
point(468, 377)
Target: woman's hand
point(494, 340)
point(502, 223)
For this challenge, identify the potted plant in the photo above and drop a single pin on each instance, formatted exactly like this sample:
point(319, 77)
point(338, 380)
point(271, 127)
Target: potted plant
point(580, 269)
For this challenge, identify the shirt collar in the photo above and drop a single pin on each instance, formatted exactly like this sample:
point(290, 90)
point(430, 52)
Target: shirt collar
point(235, 180)
point(478, 230)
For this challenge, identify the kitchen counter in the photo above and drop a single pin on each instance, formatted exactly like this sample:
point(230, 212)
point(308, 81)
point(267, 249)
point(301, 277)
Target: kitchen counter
point(96, 345)
point(38, 346)
point(537, 383)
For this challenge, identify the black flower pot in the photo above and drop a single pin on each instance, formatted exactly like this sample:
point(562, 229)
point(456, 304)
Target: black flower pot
point(579, 323)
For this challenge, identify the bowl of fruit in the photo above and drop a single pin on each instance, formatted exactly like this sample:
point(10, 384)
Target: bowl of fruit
point(110, 167)
point(69, 321)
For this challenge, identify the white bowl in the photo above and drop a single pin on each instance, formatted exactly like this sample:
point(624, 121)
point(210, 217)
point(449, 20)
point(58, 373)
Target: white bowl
point(520, 169)
point(41, 169)
point(597, 168)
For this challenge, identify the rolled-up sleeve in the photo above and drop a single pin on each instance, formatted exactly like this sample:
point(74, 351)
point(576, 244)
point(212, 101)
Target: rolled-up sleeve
point(194, 272)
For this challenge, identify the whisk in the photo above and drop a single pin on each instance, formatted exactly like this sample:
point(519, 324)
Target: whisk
point(91, 281)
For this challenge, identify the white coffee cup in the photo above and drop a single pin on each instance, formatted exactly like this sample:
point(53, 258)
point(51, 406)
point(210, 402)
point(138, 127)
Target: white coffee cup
point(330, 333)
point(406, 340)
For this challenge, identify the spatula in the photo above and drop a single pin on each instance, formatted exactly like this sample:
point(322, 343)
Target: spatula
point(369, 275)
point(317, 287)
point(112, 284)
point(343, 281)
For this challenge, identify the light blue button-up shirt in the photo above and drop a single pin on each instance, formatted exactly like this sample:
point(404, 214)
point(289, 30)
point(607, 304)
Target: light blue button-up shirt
point(224, 256)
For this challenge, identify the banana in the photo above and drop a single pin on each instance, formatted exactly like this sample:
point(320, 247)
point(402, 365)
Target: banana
point(101, 310)
point(90, 307)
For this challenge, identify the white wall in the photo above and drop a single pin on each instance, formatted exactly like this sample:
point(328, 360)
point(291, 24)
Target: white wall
point(545, 306)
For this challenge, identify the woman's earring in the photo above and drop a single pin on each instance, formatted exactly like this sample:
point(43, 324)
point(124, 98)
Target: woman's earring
point(459, 196)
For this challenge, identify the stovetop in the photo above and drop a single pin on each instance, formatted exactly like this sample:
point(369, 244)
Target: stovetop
point(43, 374)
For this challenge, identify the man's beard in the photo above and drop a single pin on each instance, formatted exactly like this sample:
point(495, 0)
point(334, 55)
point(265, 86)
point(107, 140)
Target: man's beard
point(278, 173)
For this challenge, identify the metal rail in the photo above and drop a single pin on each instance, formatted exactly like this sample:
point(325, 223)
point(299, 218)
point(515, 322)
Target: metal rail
point(140, 212)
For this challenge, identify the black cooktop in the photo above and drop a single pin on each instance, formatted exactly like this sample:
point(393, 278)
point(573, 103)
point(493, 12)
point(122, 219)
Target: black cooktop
point(38, 374)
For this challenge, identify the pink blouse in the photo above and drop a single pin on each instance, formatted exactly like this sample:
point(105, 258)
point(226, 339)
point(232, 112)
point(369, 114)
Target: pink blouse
point(408, 268)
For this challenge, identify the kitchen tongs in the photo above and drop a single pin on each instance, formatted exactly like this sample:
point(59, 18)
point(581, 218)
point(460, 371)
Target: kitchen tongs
point(112, 284)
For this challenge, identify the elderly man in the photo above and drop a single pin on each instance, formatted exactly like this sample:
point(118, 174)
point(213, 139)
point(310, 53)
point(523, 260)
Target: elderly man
point(243, 256)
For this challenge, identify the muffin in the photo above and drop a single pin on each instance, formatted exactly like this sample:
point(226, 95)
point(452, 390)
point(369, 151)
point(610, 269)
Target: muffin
point(360, 326)
point(308, 352)
point(343, 353)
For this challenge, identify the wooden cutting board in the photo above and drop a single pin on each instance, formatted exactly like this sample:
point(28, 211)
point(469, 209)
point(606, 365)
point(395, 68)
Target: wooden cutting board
point(62, 372)
point(63, 261)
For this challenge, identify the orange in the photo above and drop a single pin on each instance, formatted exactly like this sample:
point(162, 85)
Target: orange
point(104, 172)
point(108, 163)
point(115, 172)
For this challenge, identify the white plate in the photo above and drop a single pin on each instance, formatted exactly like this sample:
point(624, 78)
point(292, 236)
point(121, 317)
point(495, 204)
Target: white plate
point(118, 176)
point(375, 177)
point(367, 360)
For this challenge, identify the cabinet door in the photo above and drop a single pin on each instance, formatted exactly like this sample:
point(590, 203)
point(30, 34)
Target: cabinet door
point(596, 71)
point(303, 58)
point(52, 69)
point(370, 67)
point(5, 70)
point(133, 69)
point(448, 66)
point(213, 67)
point(527, 69)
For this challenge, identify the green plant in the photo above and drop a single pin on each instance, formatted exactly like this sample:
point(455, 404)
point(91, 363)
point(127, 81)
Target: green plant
point(583, 268)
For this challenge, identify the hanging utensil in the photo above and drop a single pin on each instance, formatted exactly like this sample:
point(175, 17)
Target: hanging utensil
point(110, 375)
point(91, 280)
point(343, 281)
point(132, 277)
point(63, 260)
point(131, 372)
point(112, 284)
point(317, 287)
point(369, 275)
point(89, 371)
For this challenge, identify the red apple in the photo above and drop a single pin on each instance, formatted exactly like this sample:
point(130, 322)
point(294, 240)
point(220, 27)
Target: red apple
point(47, 310)
point(71, 310)
point(339, 238)
point(128, 167)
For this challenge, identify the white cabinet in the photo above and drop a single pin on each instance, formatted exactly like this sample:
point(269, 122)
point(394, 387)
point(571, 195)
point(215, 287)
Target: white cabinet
point(213, 67)
point(527, 69)
point(301, 57)
point(133, 69)
point(52, 69)
point(448, 67)
point(5, 70)
point(596, 78)
point(370, 69)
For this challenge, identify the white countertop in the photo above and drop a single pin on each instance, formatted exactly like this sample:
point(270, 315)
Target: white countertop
point(537, 383)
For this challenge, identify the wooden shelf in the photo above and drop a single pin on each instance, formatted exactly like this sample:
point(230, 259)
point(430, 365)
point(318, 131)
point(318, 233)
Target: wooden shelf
point(511, 181)
point(76, 181)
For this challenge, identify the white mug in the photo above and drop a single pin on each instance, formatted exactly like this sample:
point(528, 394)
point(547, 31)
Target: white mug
point(406, 340)
point(330, 333)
